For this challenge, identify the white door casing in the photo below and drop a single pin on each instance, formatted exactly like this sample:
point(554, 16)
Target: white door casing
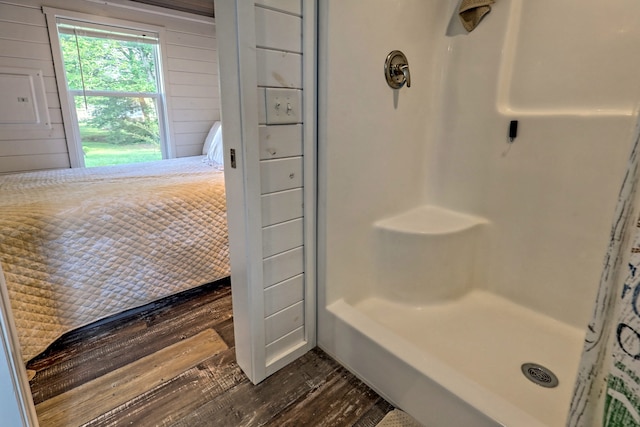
point(16, 404)
point(273, 290)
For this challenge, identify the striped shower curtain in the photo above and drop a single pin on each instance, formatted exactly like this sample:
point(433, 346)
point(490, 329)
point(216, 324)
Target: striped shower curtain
point(607, 390)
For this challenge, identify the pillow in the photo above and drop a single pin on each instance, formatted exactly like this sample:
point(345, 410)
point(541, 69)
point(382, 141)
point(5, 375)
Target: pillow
point(216, 151)
point(209, 139)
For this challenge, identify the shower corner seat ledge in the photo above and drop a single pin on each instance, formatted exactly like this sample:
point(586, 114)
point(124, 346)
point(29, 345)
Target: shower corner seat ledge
point(430, 220)
point(428, 255)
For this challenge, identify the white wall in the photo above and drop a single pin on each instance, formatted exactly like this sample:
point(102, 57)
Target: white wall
point(372, 139)
point(549, 197)
point(191, 83)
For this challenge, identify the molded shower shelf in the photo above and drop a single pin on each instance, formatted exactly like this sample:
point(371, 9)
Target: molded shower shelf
point(430, 219)
point(428, 254)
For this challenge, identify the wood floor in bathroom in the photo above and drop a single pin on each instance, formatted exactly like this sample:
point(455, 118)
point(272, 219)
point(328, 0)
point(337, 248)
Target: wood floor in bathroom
point(172, 363)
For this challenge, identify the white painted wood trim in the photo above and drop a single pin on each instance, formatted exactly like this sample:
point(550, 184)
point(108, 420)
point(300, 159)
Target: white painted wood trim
point(282, 237)
point(278, 31)
point(310, 146)
point(170, 149)
point(74, 144)
point(283, 295)
point(262, 105)
point(282, 206)
point(113, 22)
point(279, 69)
point(241, 113)
point(297, 351)
point(284, 322)
point(280, 141)
point(285, 344)
point(74, 148)
point(16, 403)
point(309, 82)
point(283, 266)
point(293, 7)
point(281, 174)
point(238, 82)
point(322, 315)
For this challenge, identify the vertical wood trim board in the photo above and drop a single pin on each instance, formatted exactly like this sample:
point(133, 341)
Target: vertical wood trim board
point(309, 141)
point(283, 183)
point(266, 190)
point(240, 110)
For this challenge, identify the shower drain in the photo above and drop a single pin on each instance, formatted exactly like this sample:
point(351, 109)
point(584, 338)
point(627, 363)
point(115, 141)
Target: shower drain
point(539, 375)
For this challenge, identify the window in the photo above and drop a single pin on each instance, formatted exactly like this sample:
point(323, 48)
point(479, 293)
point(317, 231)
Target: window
point(114, 91)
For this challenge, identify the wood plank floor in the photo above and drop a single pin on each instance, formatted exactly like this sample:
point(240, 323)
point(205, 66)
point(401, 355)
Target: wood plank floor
point(172, 363)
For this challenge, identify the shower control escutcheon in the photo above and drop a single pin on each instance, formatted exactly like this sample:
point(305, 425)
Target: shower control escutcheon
point(396, 70)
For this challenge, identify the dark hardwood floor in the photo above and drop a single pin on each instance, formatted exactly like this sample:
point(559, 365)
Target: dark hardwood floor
point(172, 363)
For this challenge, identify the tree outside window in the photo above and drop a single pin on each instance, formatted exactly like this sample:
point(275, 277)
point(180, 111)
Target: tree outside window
point(112, 77)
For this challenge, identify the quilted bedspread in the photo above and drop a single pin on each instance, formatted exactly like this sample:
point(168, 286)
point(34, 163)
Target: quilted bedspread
point(77, 245)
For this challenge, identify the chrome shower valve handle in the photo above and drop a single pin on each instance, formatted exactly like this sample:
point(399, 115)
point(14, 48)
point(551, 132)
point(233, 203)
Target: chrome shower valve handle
point(396, 70)
point(405, 72)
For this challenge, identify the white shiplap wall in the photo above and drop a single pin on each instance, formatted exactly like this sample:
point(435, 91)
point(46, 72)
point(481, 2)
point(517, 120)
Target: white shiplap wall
point(24, 43)
point(192, 88)
point(191, 78)
point(279, 65)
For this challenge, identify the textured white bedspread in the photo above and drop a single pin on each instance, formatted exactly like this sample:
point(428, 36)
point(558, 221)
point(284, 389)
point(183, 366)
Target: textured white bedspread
point(77, 245)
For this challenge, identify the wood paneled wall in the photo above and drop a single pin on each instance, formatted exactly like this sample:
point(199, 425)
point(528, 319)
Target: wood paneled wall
point(24, 43)
point(279, 65)
point(193, 93)
point(191, 82)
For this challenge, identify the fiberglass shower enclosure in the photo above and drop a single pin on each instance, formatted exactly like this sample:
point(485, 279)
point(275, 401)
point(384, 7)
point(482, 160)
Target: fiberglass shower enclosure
point(449, 255)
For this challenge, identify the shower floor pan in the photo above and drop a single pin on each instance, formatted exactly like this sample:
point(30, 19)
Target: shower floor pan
point(459, 362)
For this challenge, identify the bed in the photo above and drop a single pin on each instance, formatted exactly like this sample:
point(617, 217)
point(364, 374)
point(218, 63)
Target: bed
point(78, 245)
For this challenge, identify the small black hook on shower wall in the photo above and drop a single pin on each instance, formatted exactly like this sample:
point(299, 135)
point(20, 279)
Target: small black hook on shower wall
point(513, 130)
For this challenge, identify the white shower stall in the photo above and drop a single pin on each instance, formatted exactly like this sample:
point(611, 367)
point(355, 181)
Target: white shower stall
point(449, 253)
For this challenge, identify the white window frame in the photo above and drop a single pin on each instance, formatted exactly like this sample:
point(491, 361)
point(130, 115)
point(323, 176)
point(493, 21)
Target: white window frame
point(71, 129)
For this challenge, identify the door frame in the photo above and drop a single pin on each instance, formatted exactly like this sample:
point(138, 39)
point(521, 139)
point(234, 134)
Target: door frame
point(235, 30)
point(236, 33)
point(16, 402)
